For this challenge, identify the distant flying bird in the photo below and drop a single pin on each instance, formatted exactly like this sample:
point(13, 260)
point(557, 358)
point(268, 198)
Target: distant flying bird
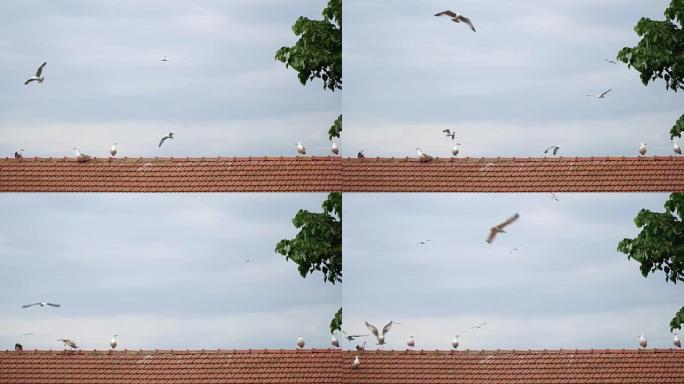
point(610, 61)
point(449, 133)
point(601, 95)
point(360, 155)
point(642, 341)
point(422, 242)
point(163, 139)
point(457, 18)
point(42, 305)
point(18, 154)
point(300, 149)
point(356, 362)
point(334, 342)
point(500, 228)
point(113, 149)
point(480, 325)
point(81, 157)
point(164, 59)
point(335, 149)
point(455, 150)
point(411, 342)
point(511, 252)
point(380, 335)
point(554, 148)
point(423, 157)
point(676, 148)
point(553, 196)
point(642, 149)
point(38, 76)
point(28, 334)
point(69, 343)
point(112, 342)
point(18, 347)
point(676, 341)
point(300, 342)
point(361, 347)
point(353, 337)
point(454, 342)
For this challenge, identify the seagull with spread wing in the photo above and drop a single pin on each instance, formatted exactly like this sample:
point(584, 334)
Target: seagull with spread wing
point(18, 154)
point(163, 139)
point(554, 149)
point(457, 18)
point(38, 76)
point(495, 230)
point(353, 337)
point(42, 305)
point(378, 335)
point(450, 133)
point(69, 343)
point(601, 95)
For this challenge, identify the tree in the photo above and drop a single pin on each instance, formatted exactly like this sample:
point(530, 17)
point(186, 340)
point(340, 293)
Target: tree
point(660, 245)
point(660, 53)
point(318, 245)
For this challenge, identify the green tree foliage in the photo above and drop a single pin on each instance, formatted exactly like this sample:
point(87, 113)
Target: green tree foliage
point(336, 128)
point(660, 245)
point(318, 245)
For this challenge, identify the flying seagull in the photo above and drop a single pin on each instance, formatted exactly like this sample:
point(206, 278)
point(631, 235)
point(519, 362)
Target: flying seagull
point(601, 95)
point(361, 347)
point(163, 139)
point(300, 149)
point(112, 342)
point(553, 148)
point(18, 154)
point(553, 196)
point(676, 341)
point(642, 149)
point(164, 59)
point(423, 156)
point(42, 305)
point(81, 157)
point(300, 342)
point(18, 347)
point(113, 150)
point(352, 337)
point(449, 133)
point(455, 150)
point(478, 326)
point(356, 362)
point(500, 228)
point(610, 61)
point(335, 149)
point(454, 342)
point(360, 155)
point(334, 342)
point(69, 342)
point(422, 242)
point(378, 335)
point(676, 148)
point(457, 18)
point(38, 76)
point(411, 342)
point(642, 341)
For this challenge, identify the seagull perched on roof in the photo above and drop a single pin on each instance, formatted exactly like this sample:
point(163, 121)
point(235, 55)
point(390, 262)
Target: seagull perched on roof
point(676, 341)
point(642, 149)
point(112, 342)
point(69, 343)
point(334, 342)
point(423, 156)
point(411, 342)
point(449, 133)
point(38, 76)
point(113, 150)
point(356, 362)
point(457, 18)
point(18, 154)
point(360, 155)
point(300, 149)
point(335, 149)
point(163, 139)
point(352, 337)
point(380, 336)
point(300, 342)
point(676, 148)
point(454, 342)
point(455, 150)
point(500, 228)
point(553, 148)
point(42, 305)
point(642, 341)
point(81, 157)
point(601, 95)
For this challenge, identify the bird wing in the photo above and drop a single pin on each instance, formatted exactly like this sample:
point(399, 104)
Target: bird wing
point(549, 148)
point(555, 150)
point(604, 93)
point(446, 13)
point(40, 69)
point(387, 328)
point(492, 235)
point(29, 305)
point(54, 305)
point(509, 221)
point(29, 80)
point(467, 21)
point(162, 140)
point(447, 131)
point(372, 328)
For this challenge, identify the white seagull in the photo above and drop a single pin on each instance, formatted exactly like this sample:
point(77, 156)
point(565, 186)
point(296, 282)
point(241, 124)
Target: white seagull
point(335, 149)
point(300, 149)
point(411, 342)
point(18, 154)
point(642, 341)
point(69, 342)
point(300, 342)
point(480, 325)
point(457, 18)
point(676, 341)
point(352, 337)
point(42, 305)
point(38, 76)
point(553, 148)
point(378, 335)
point(423, 156)
point(455, 150)
point(454, 342)
point(112, 342)
point(113, 150)
point(500, 228)
point(81, 157)
point(642, 149)
point(334, 342)
point(601, 95)
point(356, 362)
point(163, 139)
point(676, 148)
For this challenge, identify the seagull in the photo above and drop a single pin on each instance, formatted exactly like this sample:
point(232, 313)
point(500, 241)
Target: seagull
point(449, 133)
point(411, 342)
point(352, 337)
point(164, 59)
point(112, 342)
point(676, 148)
point(642, 149)
point(677, 343)
point(601, 95)
point(553, 196)
point(361, 347)
point(610, 61)
point(555, 149)
point(335, 149)
point(380, 336)
point(38, 76)
point(454, 342)
point(422, 156)
point(300, 149)
point(360, 155)
point(422, 242)
point(500, 228)
point(300, 342)
point(480, 325)
point(163, 139)
point(334, 342)
point(81, 157)
point(642, 341)
point(457, 18)
point(42, 305)
point(455, 150)
point(18, 154)
point(511, 252)
point(28, 333)
point(356, 363)
point(113, 149)
point(69, 342)
point(18, 347)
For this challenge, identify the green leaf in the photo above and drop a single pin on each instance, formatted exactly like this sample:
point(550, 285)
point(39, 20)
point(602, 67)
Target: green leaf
point(336, 322)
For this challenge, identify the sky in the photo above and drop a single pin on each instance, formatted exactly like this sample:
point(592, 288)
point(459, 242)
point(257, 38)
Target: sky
point(513, 88)
point(166, 271)
point(554, 280)
point(221, 91)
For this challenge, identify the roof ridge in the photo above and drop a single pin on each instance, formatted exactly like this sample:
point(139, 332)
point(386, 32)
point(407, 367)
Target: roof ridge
point(173, 158)
point(337, 350)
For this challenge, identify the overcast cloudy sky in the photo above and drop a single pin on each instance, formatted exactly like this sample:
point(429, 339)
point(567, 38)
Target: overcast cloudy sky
point(221, 91)
point(513, 88)
point(566, 286)
point(163, 271)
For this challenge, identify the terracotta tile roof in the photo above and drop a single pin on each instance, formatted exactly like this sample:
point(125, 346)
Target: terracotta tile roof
point(327, 174)
point(662, 366)
point(604, 174)
point(263, 174)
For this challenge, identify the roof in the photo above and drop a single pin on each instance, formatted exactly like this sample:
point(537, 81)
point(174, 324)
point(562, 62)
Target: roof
point(332, 174)
point(662, 366)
